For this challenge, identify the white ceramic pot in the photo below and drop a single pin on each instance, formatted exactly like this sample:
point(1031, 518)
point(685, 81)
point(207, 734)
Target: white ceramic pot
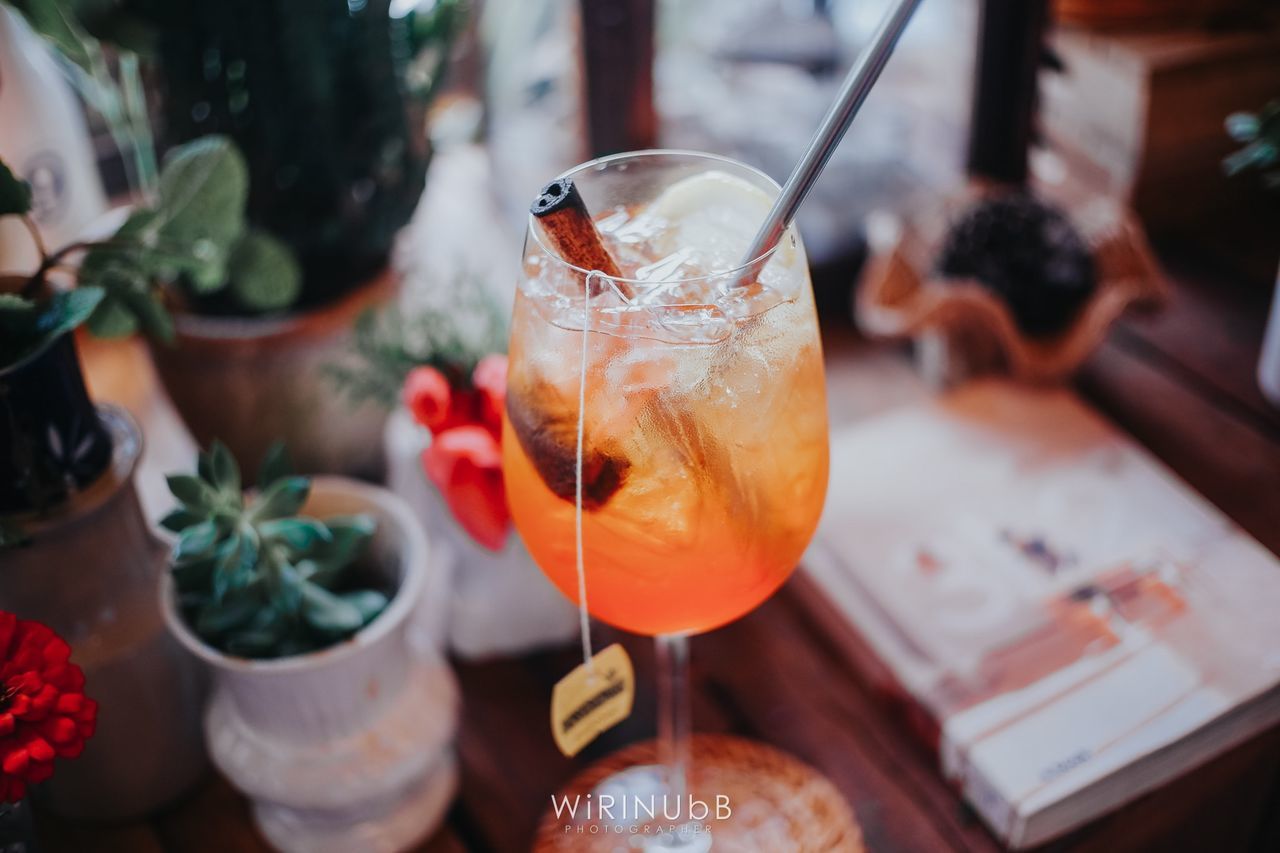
point(498, 603)
point(349, 748)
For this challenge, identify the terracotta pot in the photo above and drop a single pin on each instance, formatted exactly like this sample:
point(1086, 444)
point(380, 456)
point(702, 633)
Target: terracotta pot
point(348, 748)
point(251, 381)
point(91, 573)
point(1120, 14)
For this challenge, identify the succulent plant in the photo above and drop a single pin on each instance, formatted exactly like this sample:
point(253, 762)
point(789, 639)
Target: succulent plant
point(253, 577)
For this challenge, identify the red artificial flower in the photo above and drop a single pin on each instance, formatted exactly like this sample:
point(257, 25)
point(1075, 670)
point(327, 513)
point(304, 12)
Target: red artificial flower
point(434, 403)
point(465, 463)
point(490, 379)
point(43, 710)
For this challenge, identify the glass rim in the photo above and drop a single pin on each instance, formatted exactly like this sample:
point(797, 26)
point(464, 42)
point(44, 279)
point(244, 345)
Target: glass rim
point(608, 159)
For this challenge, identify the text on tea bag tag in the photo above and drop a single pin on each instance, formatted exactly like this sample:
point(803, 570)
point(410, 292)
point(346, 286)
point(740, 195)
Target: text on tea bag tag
point(597, 695)
point(592, 699)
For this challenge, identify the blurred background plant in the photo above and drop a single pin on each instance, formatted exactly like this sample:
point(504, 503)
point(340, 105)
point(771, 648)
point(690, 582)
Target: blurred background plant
point(451, 337)
point(331, 124)
point(328, 102)
point(254, 578)
point(192, 231)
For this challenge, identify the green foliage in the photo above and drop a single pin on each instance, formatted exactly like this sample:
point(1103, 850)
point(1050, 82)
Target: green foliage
point(55, 20)
point(450, 337)
point(15, 194)
point(263, 272)
point(27, 326)
point(253, 577)
point(194, 233)
point(1261, 133)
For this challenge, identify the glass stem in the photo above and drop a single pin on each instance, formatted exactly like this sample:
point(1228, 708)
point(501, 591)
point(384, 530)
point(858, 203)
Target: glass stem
point(674, 710)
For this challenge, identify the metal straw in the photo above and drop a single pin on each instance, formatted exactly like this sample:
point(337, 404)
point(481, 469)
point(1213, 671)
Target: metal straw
point(862, 76)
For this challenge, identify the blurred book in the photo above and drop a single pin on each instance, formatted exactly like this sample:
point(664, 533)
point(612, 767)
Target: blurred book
point(1076, 625)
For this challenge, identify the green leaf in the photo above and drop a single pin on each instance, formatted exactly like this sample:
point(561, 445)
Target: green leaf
point(204, 185)
point(68, 309)
point(262, 272)
point(216, 618)
point(368, 601)
point(180, 519)
point(299, 534)
point(204, 466)
point(349, 536)
point(225, 471)
point(192, 491)
point(112, 319)
point(276, 465)
point(281, 499)
point(290, 594)
point(236, 558)
point(327, 612)
point(197, 541)
point(15, 194)
point(148, 313)
point(53, 20)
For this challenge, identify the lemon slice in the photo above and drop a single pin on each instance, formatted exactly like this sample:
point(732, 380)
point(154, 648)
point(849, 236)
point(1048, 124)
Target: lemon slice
point(712, 217)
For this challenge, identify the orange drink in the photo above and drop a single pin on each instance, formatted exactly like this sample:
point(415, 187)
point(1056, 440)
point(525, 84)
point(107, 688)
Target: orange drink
point(704, 462)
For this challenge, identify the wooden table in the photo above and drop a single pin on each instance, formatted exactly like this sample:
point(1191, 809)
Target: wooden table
point(1181, 382)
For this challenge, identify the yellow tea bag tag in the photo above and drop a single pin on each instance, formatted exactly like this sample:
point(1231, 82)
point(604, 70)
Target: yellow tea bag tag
point(592, 699)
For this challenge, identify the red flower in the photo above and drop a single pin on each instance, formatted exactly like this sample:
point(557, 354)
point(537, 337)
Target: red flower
point(465, 463)
point(490, 379)
point(434, 404)
point(43, 710)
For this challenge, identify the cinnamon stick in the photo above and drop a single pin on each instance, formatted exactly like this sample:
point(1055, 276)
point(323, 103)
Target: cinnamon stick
point(571, 231)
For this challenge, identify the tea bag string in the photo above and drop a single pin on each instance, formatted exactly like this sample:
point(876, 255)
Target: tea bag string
point(584, 624)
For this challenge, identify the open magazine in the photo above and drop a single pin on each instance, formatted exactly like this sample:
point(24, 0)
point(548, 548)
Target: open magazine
point(1078, 623)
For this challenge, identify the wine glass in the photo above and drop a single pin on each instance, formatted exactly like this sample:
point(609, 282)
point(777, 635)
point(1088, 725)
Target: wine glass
point(705, 449)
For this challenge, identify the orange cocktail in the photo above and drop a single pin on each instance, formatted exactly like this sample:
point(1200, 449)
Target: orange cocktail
point(705, 428)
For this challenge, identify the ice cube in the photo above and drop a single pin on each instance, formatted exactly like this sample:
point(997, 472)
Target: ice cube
point(667, 268)
point(748, 300)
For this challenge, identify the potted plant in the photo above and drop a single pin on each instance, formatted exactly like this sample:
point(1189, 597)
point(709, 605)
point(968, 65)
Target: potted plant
point(1260, 134)
point(327, 101)
point(298, 597)
point(442, 371)
point(79, 554)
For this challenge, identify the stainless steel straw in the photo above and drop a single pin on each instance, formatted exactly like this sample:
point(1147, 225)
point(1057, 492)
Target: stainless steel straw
point(853, 92)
